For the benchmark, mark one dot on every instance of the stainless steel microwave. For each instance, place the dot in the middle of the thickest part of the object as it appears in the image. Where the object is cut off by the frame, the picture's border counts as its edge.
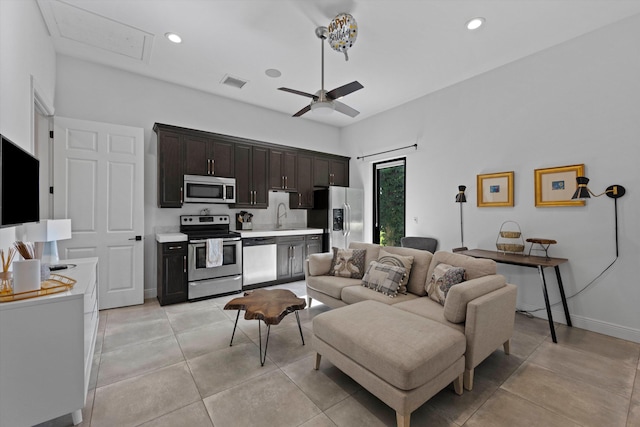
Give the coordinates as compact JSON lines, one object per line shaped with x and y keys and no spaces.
{"x":209,"y":189}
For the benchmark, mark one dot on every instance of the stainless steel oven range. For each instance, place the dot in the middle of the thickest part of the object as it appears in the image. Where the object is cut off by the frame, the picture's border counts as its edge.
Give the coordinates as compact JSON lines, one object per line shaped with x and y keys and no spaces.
{"x":224,"y":278}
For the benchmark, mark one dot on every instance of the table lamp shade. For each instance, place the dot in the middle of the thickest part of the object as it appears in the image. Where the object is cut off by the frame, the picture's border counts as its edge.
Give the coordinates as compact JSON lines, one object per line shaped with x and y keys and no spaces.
{"x":48,"y":232}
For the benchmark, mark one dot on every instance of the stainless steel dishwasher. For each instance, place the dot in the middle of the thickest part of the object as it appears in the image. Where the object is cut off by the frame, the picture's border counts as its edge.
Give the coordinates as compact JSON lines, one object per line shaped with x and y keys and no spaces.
{"x":259,"y":260}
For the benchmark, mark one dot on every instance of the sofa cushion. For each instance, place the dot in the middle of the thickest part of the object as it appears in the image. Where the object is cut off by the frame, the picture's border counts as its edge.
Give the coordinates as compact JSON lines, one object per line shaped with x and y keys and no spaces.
{"x":443,"y":278}
{"x":455,"y":306}
{"x":331,"y":285}
{"x":319,"y":264}
{"x":384,"y":278}
{"x":473,"y":267}
{"x":401,"y":348}
{"x":372,"y":249}
{"x":426,"y":307}
{"x":399,"y":261}
{"x":354,"y":294}
{"x":348,"y":263}
{"x":419,"y":268}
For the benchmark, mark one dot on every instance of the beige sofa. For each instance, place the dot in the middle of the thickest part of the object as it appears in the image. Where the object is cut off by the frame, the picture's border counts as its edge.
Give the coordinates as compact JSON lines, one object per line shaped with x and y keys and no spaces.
{"x":482,"y":307}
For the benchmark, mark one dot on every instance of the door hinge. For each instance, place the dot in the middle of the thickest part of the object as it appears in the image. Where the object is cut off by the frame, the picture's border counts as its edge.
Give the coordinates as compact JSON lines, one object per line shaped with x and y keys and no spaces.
{"x":50,"y":190}
{"x":51,"y":134}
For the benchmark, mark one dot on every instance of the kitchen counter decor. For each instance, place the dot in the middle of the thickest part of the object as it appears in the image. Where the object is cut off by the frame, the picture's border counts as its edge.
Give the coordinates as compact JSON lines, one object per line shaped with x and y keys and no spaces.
{"x":56,"y":283}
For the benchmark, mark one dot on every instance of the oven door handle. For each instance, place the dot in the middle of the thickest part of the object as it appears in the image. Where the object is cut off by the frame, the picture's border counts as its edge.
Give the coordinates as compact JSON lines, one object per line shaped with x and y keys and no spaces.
{"x":232,"y":239}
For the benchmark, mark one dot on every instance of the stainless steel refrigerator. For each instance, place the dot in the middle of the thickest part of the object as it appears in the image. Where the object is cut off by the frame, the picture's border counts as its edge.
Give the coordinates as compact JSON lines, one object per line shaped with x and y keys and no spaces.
{"x":339,"y":211}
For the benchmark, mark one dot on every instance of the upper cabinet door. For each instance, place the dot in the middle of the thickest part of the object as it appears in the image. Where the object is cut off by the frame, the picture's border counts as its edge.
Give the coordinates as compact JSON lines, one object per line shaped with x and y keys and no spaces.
{"x":283,"y":168}
{"x":204,"y":156}
{"x":196,"y":158}
{"x":320,"y":172}
{"x":221,"y":155}
{"x":170,"y":169}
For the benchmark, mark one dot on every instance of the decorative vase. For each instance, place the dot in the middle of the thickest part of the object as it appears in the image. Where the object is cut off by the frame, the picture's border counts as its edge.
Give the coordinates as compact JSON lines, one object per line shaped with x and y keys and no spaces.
{"x":5,"y":282}
{"x":26,"y":275}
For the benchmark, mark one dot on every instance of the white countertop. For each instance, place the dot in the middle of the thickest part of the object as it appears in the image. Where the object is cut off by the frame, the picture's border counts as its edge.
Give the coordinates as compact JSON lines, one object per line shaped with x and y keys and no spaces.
{"x":171,"y":237}
{"x":280,"y":232}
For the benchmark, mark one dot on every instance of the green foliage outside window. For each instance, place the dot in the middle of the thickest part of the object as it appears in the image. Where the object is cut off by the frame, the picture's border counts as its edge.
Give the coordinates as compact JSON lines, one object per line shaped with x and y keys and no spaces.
{"x":391,"y":205}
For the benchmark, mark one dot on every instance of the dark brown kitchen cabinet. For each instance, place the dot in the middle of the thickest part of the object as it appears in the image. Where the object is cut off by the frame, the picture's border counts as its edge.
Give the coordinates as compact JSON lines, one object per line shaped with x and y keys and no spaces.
{"x":290,"y":257}
{"x":283,"y":168}
{"x":170,"y":168}
{"x":206,"y":156}
{"x":252,"y":168}
{"x":172,"y":272}
{"x":329,"y":171}
{"x":303,"y":198}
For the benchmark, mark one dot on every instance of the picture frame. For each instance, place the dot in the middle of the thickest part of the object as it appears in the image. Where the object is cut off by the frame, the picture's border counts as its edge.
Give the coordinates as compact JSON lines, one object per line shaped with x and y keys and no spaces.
{"x":495,"y":189}
{"x":555,"y":186}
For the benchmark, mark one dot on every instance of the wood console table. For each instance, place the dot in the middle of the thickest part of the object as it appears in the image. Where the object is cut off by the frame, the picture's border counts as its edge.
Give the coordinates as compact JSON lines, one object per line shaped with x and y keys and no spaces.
{"x":530,"y":261}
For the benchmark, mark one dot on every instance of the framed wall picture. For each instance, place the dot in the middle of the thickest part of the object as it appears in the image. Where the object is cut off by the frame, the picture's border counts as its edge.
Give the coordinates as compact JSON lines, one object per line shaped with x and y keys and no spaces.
{"x":495,"y":189}
{"x":555,"y":186}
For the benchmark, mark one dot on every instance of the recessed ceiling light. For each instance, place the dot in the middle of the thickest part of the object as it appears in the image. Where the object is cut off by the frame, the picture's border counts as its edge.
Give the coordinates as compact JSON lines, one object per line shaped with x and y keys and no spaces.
{"x":173,"y":37}
{"x":272,"y":72}
{"x":475,"y":23}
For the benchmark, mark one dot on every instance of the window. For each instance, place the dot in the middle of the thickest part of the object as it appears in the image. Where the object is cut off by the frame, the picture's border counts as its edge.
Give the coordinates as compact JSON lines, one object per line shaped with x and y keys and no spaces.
{"x":389,"y":202}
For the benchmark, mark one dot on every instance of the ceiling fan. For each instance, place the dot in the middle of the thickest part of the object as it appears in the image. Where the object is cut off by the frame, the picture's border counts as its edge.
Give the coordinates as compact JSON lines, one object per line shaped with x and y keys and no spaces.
{"x":327,"y":101}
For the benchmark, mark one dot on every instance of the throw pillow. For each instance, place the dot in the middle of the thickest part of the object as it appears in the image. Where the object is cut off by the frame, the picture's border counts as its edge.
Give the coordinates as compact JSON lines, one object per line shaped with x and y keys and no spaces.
{"x":348,"y":263}
{"x":399,"y":261}
{"x":443,"y":278}
{"x":383,"y":278}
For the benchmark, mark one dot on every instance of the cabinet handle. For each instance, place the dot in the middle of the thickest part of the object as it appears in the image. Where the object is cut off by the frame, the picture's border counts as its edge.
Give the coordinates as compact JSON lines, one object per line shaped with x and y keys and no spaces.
{"x":330,"y":179}
{"x":286,"y":182}
{"x":181,"y":195}
{"x":175,"y":247}
{"x":213,"y":166}
{"x":299,"y":199}
{"x":184,"y":263}
{"x":282,"y":181}
{"x":208,"y":166}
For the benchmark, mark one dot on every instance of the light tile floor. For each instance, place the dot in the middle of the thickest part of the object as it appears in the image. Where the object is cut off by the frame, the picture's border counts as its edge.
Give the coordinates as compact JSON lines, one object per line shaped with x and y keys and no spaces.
{"x":172,"y":366}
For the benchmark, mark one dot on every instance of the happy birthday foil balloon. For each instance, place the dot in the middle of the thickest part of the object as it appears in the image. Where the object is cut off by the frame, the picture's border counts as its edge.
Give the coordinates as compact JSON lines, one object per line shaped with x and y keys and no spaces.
{"x":343,"y":31}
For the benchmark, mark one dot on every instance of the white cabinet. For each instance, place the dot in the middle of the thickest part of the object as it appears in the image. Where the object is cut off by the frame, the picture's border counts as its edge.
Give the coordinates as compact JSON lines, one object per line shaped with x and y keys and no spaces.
{"x":46,"y":351}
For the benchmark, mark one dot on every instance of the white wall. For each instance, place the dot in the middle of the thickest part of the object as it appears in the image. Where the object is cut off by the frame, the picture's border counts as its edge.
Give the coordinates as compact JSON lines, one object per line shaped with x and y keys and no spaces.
{"x":26,"y":56}
{"x":576,"y":103}
{"x":94,"y":92}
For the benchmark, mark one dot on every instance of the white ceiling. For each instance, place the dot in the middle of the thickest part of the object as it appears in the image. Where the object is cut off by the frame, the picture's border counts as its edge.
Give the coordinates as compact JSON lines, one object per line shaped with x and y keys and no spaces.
{"x":405,"y":49}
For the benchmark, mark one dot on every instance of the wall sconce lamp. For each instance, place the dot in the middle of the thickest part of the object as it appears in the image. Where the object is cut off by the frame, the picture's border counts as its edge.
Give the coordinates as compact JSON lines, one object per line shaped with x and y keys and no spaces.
{"x":45,"y":234}
{"x":460,"y":199}
{"x":613,"y":191}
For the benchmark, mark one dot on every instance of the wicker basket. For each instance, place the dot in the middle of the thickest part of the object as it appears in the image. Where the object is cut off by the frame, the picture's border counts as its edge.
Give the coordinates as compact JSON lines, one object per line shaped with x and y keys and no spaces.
{"x":510,"y":240}
{"x":510,"y":247}
{"x":510,"y":234}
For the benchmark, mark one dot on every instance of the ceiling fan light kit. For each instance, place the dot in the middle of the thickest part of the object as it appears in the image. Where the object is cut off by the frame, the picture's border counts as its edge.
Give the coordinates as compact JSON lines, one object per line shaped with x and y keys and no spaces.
{"x":325,"y":102}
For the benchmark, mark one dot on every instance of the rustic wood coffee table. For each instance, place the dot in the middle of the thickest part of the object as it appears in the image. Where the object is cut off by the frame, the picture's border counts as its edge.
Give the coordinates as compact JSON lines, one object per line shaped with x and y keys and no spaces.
{"x":268,"y":305}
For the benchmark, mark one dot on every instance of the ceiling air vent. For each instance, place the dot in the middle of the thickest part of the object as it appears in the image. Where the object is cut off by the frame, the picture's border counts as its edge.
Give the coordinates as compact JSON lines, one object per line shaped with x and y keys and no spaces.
{"x":233,"y":81}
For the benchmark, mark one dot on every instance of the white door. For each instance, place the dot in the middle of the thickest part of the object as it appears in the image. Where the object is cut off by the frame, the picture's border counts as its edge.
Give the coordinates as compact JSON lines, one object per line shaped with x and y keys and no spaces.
{"x":98,"y":183}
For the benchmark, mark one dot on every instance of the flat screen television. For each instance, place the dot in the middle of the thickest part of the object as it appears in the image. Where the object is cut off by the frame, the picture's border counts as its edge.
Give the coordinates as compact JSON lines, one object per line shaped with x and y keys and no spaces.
{"x":19,"y":185}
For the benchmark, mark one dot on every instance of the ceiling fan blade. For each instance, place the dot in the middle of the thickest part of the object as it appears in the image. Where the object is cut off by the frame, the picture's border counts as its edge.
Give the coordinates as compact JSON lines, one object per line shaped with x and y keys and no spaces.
{"x":344,"y":90}
{"x":297,"y":92}
{"x":345,"y":109}
{"x":301,"y":112}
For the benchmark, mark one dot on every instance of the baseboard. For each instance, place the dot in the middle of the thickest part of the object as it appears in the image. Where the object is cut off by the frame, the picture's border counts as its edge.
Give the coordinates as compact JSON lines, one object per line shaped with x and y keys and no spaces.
{"x":593,"y":325}
{"x":150,"y":293}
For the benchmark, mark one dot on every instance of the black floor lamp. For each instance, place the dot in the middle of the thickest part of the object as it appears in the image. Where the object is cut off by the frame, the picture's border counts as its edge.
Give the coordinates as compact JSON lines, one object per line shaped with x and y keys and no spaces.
{"x":460,"y":199}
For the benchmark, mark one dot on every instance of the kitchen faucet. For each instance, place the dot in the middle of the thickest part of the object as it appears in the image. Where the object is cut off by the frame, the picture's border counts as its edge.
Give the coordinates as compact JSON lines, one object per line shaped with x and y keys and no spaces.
{"x":278,"y":216}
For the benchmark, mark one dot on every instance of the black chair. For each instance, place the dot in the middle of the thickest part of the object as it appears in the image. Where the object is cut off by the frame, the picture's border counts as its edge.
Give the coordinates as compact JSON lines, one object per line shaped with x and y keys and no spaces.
{"x":425,"y":243}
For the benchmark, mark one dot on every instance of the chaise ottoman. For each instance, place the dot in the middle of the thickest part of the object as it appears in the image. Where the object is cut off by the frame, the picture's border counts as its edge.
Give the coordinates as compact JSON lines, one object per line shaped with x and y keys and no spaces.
{"x":400,"y":357}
